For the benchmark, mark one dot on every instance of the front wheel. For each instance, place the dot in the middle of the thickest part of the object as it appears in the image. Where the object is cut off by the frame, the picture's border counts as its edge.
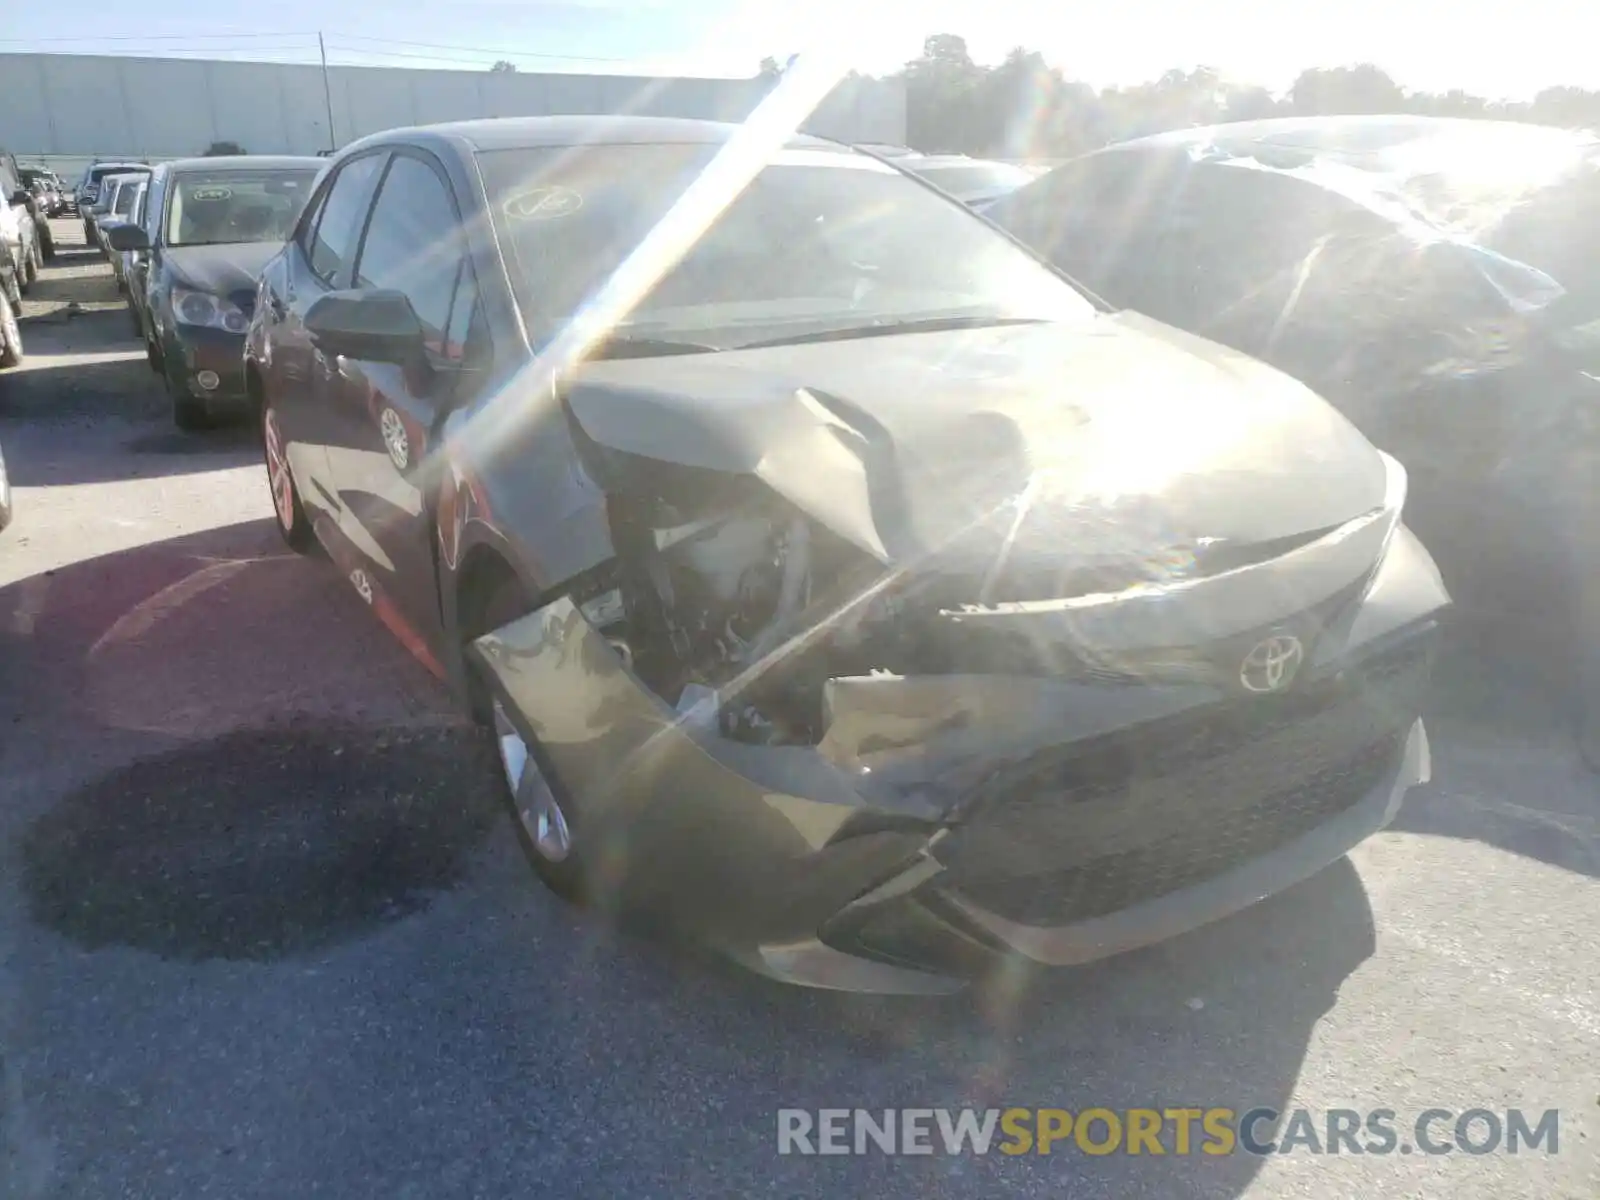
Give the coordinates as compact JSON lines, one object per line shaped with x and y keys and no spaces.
{"x":291,"y":516}
{"x":545,"y":818}
{"x":47,"y":245}
{"x":30,"y":267}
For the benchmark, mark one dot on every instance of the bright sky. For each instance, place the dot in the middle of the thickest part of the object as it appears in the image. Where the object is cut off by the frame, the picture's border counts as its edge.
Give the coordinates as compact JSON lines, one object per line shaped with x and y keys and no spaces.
{"x":1490,"y":47}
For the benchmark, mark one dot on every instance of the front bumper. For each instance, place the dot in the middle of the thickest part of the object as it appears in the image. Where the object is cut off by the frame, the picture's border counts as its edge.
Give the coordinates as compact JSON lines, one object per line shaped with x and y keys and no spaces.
{"x":190,"y":350}
{"x":947,"y":825}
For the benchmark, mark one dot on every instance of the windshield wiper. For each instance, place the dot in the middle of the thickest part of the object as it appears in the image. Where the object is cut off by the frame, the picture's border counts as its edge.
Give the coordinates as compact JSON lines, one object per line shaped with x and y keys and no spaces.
{"x":643,"y":347}
{"x":888,"y":328}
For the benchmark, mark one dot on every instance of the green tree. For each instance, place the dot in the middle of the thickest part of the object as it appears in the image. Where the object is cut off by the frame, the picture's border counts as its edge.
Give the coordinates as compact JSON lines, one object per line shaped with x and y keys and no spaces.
{"x":1336,"y":91}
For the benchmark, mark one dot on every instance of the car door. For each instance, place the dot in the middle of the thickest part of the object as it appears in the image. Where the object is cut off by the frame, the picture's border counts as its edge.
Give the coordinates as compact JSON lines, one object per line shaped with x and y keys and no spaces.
{"x":297,"y":375}
{"x":384,"y":415}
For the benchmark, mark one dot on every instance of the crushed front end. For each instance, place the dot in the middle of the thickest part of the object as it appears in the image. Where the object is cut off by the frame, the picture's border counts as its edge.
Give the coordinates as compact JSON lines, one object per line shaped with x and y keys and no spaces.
{"x":898,"y":775}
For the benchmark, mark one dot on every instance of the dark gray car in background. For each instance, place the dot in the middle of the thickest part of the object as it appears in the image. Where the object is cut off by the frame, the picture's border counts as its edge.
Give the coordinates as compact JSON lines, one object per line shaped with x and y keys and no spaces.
{"x":209,"y":224}
{"x":1437,"y":280}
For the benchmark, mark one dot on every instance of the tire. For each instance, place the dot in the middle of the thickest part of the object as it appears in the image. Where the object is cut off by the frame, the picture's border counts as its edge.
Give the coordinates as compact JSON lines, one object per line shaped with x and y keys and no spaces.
{"x":29,"y":275}
{"x":153,"y":356}
{"x":287,"y":511}
{"x":542,"y":795}
{"x":13,"y":288}
{"x":47,"y":244}
{"x":10,"y":334}
{"x":190,"y":415}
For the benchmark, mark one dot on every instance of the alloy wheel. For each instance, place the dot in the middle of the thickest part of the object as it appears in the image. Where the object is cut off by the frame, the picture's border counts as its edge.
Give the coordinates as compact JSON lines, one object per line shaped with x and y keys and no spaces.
{"x":536,"y":804}
{"x":278,"y":477}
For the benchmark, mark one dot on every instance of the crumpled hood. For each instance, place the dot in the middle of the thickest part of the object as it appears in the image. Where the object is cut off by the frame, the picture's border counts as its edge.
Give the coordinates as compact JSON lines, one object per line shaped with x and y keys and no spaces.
{"x":220,"y":270}
{"x":1123,"y":432}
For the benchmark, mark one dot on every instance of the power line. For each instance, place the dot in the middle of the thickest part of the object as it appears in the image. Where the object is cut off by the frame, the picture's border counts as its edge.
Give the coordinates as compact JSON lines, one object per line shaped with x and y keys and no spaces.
{"x":155,"y":37}
{"x":502,"y":52}
{"x":473,"y":62}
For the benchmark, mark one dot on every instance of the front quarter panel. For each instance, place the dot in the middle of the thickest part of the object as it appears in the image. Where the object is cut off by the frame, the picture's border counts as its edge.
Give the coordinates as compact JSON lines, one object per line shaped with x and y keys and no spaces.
{"x":517,"y":480}
{"x":672,"y":829}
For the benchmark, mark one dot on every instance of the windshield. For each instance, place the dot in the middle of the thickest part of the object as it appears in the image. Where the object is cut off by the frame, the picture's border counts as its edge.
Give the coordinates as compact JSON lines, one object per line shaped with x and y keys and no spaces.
{"x":212,"y":208}
{"x":820,"y":240}
{"x":968,"y":179}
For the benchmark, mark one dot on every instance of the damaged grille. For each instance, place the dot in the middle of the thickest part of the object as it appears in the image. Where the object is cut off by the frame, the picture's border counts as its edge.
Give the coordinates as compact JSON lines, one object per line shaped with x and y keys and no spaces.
{"x":1088,"y":829}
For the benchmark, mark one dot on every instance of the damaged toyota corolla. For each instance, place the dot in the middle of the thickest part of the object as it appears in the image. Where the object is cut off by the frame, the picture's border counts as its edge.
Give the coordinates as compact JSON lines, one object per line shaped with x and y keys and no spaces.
{"x":864,"y":598}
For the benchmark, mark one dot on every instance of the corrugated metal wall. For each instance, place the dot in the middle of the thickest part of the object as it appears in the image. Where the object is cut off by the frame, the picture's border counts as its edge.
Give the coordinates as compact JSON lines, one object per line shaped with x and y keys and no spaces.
{"x":86,"y":106}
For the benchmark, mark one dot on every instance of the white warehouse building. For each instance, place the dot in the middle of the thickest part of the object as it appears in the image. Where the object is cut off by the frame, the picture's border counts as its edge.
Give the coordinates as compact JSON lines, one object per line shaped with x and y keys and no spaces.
{"x":68,"y":109}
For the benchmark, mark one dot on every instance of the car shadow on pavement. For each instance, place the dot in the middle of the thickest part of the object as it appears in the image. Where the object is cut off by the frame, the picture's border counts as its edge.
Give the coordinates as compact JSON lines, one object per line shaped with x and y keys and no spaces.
{"x":560,"y":1021}
{"x":280,"y":773}
{"x":1219,"y":1018}
{"x":77,"y":421}
{"x":1507,"y":771}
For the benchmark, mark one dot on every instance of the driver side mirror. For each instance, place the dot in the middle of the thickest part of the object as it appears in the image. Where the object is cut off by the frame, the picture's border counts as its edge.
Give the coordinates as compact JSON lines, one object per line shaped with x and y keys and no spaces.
{"x":123,"y":236}
{"x":376,"y":325}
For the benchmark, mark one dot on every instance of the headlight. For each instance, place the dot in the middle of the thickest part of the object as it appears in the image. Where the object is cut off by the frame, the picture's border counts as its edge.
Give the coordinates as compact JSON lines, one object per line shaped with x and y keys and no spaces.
{"x":207,"y":311}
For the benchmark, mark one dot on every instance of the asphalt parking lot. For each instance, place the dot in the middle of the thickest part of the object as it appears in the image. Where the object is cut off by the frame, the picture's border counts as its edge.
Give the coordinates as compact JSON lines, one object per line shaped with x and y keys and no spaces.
{"x":265,"y":933}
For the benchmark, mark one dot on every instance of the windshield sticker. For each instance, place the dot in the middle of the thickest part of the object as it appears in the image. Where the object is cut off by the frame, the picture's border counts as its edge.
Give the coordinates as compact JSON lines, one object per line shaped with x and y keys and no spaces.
{"x":543,"y":204}
{"x":211,"y":193}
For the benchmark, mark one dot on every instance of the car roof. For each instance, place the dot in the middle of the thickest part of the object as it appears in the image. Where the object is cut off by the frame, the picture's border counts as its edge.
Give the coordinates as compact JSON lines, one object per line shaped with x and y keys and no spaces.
{"x":913,"y":161}
{"x":1354,"y":135}
{"x":523,"y":133}
{"x":244,"y":162}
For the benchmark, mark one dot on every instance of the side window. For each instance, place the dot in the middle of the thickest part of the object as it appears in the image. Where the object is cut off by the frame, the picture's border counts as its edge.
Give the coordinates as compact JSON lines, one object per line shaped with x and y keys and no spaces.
{"x":414,"y":244}
{"x":152,"y":208}
{"x":338,"y":225}
{"x":466,"y":339}
{"x":306,"y":227}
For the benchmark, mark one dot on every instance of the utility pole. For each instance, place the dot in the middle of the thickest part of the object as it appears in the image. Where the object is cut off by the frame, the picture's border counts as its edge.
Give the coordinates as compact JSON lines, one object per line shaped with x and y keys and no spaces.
{"x":327,"y":90}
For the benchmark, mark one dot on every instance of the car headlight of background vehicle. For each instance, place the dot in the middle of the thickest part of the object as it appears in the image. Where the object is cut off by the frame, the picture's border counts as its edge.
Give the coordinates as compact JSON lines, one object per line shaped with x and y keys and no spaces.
{"x":206,"y":311}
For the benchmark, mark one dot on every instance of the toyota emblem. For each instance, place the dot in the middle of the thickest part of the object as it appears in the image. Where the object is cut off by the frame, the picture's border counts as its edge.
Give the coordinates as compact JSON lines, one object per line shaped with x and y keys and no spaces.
{"x":1272,"y":663}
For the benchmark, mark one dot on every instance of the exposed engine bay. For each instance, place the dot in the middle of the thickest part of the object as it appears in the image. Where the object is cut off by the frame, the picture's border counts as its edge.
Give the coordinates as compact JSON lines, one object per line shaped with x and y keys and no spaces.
{"x":736,"y":610}
{"x":739,"y":615}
